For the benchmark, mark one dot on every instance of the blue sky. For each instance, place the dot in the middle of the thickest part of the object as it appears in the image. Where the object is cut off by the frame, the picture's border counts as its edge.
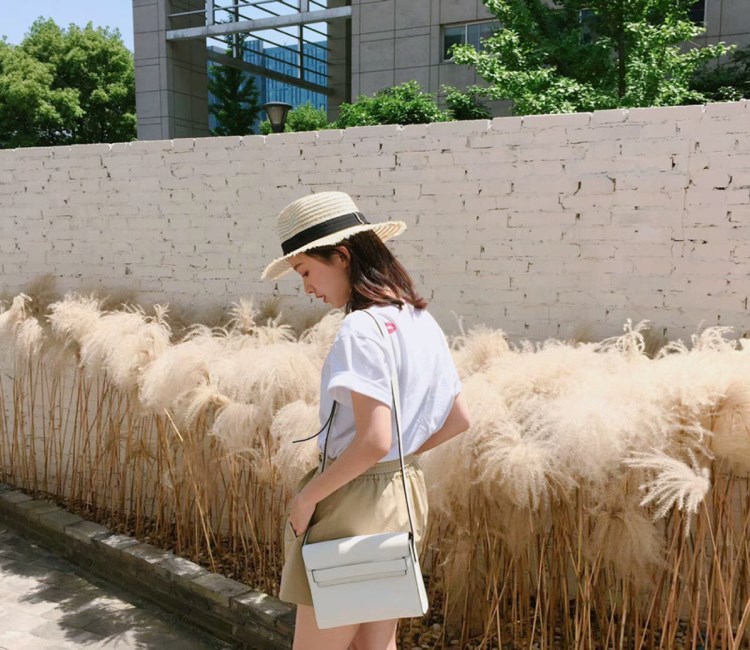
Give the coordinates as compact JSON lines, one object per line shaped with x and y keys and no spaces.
{"x":18,"y":16}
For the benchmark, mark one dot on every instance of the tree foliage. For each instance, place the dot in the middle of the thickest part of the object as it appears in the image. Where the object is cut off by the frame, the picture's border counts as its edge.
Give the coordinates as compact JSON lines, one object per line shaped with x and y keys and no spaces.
{"x":581,"y":55}
{"x":71,"y":86}
{"x":403,"y":104}
{"x":304,"y":117}
{"x":727,"y":81}
{"x":465,"y":105}
{"x":236,"y":105}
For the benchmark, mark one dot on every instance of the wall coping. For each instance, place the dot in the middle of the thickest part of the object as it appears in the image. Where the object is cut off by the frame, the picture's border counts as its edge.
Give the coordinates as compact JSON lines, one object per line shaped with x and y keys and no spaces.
{"x":602,"y":118}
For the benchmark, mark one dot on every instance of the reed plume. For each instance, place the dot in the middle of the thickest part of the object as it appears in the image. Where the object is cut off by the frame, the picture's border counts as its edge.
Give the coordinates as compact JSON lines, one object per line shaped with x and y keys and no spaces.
{"x":21,"y":335}
{"x":589,"y":505}
{"x":290,"y":460}
{"x":674,"y":484}
{"x":475,"y":350}
{"x":625,"y":537}
{"x":730,"y":427}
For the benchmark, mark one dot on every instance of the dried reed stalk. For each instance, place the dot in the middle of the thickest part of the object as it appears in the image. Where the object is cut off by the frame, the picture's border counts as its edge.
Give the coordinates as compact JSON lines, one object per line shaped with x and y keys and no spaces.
{"x":188,"y":444}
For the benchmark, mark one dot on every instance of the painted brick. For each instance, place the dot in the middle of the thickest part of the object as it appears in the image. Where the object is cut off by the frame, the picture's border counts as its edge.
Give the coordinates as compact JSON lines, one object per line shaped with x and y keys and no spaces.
{"x":612,"y":116}
{"x":475,"y":194}
{"x":567,"y":120}
{"x":661,"y":114}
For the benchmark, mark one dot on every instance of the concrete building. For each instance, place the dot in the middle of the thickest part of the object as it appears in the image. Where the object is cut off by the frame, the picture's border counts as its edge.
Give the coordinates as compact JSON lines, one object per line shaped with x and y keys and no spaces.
{"x":397,"y":40}
{"x":372,"y":44}
{"x":173,"y":42}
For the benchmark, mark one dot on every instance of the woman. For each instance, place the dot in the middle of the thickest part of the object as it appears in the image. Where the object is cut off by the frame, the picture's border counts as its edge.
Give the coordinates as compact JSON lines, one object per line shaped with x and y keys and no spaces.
{"x":342,"y":260}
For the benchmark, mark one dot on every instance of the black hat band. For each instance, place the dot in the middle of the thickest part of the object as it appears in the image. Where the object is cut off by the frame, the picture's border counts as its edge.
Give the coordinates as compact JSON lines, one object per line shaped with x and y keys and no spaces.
{"x":319,"y":230}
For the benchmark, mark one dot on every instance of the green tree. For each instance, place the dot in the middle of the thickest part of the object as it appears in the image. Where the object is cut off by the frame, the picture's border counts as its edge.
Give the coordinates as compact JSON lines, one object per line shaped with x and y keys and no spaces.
{"x":465,"y":105}
{"x":235,"y":104}
{"x":581,"y":55}
{"x":404,"y":104}
{"x":32,"y":112}
{"x":71,"y":86}
{"x":727,"y":81}
{"x":304,"y":117}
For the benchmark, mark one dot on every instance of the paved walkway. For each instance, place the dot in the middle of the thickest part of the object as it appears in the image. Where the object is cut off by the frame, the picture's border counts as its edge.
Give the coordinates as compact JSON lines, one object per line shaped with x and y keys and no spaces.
{"x":46,"y":603}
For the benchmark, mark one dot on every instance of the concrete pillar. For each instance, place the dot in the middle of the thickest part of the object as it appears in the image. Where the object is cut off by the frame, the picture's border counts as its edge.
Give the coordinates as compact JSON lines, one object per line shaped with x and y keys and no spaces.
{"x":171,"y":84}
{"x":339,"y":61}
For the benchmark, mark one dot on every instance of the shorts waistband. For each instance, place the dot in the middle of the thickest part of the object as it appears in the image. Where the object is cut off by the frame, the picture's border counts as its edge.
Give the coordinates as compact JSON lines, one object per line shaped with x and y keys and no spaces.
{"x":383,"y":467}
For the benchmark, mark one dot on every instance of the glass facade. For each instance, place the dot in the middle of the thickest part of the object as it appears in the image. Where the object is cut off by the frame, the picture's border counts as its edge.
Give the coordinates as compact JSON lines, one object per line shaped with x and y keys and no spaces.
{"x":285,"y":60}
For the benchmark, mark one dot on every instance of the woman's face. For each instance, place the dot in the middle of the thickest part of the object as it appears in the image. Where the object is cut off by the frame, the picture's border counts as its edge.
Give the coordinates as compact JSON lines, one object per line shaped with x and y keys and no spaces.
{"x":329,"y":282}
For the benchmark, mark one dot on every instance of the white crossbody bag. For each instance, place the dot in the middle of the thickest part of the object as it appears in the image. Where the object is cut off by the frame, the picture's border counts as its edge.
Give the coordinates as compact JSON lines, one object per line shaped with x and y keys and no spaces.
{"x":367,"y":577}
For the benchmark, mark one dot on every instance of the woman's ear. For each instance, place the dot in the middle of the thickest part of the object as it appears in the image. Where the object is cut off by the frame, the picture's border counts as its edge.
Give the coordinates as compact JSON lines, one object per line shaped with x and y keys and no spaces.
{"x":344,"y":255}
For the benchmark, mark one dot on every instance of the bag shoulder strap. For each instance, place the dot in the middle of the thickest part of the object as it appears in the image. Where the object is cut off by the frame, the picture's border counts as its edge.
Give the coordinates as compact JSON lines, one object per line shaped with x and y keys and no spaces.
{"x":391,"y":356}
{"x":395,"y":393}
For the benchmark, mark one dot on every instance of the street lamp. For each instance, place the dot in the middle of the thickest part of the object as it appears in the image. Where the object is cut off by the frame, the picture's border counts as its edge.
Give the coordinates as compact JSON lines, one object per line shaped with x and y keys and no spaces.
{"x":276,"y":112}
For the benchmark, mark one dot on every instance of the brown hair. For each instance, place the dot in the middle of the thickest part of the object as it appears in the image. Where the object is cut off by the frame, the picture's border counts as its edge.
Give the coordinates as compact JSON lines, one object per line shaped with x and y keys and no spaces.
{"x":373,"y":271}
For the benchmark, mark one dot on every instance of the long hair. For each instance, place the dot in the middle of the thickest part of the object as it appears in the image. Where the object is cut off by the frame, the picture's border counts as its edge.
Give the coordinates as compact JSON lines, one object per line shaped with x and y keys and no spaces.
{"x":373,"y":273}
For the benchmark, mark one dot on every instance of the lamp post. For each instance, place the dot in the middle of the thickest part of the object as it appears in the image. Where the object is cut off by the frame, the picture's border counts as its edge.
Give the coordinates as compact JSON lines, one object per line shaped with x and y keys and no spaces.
{"x":277,"y":112}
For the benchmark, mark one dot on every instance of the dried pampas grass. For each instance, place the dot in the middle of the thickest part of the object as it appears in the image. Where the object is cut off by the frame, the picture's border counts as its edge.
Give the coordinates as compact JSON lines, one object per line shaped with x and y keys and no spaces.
{"x":623,"y":536}
{"x":516,"y":453}
{"x":236,"y":426}
{"x":74,"y":317}
{"x":631,"y":344}
{"x":321,"y":335}
{"x":290,"y":460}
{"x":180,"y":368}
{"x":196,"y":402}
{"x":42,"y":292}
{"x":120,"y":344}
{"x":675,"y":484}
{"x":450,"y":468}
{"x":475,"y":351}
{"x":535,"y":519}
{"x":730,"y":427}
{"x":272,"y":375}
{"x":21,"y":335}
{"x":244,"y":322}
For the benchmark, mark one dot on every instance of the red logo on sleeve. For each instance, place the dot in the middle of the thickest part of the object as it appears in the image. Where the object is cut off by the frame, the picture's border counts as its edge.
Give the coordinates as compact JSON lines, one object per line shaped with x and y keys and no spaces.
{"x":390,"y":327}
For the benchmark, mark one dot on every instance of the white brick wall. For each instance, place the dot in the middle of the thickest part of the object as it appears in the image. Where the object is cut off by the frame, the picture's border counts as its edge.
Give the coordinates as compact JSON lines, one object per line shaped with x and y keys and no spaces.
{"x":535,"y":225}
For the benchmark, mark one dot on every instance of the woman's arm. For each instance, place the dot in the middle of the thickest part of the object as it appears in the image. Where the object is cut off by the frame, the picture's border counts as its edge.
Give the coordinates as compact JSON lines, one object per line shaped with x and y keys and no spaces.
{"x":457,"y":422}
{"x":372,"y":441}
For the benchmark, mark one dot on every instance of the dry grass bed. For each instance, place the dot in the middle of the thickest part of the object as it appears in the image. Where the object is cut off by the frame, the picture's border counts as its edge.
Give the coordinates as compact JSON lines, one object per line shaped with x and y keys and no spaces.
{"x":600,"y":499}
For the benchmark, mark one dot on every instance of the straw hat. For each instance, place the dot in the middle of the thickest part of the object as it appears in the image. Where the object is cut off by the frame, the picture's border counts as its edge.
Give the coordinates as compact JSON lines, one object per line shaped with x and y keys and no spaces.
{"x":322,"y":219}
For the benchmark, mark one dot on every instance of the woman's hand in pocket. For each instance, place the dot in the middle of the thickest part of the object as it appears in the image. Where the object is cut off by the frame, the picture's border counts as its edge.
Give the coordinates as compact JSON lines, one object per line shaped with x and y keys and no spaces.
{"x":300,"y":512}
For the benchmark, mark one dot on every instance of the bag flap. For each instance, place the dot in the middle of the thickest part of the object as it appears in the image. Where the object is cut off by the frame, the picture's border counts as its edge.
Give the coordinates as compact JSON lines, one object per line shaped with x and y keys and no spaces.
{"x":355,"y":550}
{"x":358,"y":572}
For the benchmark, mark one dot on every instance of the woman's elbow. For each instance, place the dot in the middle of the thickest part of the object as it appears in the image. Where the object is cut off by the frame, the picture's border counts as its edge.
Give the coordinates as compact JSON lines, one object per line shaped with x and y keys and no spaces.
{"x":378,"y":445}
{"x":462,"y":420}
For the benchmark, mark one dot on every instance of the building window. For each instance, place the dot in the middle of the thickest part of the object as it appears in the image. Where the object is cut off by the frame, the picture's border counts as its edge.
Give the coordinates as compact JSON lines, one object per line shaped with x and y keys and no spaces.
{"x":470,"y":33}
{"x":698,"y":12}
{"x":587,"y":18}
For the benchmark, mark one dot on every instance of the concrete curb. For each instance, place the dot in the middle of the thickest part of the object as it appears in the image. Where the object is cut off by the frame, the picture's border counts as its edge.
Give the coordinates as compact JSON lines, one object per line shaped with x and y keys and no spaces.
{"x":227,"y":609}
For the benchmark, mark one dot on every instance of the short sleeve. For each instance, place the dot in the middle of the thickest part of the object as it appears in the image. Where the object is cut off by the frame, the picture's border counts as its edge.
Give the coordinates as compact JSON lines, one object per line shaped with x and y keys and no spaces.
{"x":456,"y":379}
{"x":358,"y":363}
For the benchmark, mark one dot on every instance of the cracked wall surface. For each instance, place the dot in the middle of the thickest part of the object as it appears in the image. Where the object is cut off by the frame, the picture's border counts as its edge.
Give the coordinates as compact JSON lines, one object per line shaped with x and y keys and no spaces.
{"x":540,"y":225}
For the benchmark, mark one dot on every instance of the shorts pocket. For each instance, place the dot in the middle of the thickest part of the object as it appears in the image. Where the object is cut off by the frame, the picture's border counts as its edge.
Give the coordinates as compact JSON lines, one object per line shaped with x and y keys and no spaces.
{"x":289,"y":531}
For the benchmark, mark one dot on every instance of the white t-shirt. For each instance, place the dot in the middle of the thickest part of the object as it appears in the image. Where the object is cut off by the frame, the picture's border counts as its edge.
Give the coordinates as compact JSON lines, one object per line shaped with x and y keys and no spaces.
{"x":359,"y":361}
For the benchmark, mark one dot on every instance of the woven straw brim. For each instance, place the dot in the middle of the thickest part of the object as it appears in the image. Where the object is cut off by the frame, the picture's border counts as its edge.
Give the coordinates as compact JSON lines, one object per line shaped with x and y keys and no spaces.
{"x":384,"y":230}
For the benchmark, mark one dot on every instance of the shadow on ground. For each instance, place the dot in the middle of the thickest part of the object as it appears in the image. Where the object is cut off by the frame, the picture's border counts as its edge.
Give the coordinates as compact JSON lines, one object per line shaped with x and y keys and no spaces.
{"x":46,"y":603}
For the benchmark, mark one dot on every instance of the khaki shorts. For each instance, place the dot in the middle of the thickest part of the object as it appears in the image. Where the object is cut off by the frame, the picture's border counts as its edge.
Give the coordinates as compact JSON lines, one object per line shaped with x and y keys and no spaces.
{"x":373,"y":502}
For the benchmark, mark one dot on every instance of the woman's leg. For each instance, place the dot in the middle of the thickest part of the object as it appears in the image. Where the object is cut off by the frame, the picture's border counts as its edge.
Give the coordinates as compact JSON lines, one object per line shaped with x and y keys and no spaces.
{"x":307,"y":635}
{"x":378,"y":635}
